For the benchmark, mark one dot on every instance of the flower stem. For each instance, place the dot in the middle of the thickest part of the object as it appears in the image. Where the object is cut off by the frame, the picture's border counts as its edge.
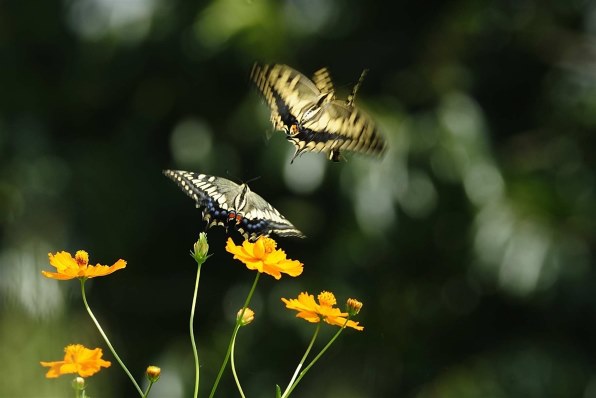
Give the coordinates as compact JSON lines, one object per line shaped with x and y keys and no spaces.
{"x":312,"y":342}
{"x":105,"y":337}
{"x":317,"y":358}
{"x":238,"y":322}
{"x":192,"y":334}
{"x":148,"y":389}
{"x":234,"y":365}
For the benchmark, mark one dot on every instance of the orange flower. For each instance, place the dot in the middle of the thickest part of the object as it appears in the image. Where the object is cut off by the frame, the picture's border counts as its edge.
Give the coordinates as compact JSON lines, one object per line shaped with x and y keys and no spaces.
{"x":78,"y":267}
{"x":264,"y":257}
{"x":324,"y":310}
{"x":77,"y":359}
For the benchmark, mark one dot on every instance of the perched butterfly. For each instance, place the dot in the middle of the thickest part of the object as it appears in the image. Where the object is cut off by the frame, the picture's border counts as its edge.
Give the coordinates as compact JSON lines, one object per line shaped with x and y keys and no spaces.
{"x":310,"y":115}
{"x":228,"y":204}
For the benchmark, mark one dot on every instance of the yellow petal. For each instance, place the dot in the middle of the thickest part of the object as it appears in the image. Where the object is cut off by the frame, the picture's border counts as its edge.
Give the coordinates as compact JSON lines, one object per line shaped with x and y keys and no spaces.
{"x":62,"y":261}
{"x":58,"y":276}
{"x":103,"y":270}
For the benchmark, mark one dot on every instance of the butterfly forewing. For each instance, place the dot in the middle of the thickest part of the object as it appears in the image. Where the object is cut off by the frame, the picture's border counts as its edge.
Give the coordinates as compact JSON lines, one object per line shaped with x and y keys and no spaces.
{"x":228,"y":204}
{"x":311,"y":117}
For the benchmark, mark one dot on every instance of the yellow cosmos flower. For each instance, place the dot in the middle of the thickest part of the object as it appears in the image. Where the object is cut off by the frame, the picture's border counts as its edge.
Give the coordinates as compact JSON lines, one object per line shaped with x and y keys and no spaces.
{"x":263,"y":256}
{"x":78,"y":267}
{"x":324,"y":310}
{"x":77,"y":359}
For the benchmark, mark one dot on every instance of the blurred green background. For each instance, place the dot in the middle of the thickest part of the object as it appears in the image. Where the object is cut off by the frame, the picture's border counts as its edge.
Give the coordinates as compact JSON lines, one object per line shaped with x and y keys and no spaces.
{"x":471,"y":242}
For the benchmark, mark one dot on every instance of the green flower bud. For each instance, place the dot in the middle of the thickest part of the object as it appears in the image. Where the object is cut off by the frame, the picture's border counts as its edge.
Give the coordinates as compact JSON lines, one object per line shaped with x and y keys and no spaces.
{"x":200,"y":249}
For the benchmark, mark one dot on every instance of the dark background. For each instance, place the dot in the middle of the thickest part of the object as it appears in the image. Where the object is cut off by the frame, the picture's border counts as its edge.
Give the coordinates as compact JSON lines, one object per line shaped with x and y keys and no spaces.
{"x":470,"y":243}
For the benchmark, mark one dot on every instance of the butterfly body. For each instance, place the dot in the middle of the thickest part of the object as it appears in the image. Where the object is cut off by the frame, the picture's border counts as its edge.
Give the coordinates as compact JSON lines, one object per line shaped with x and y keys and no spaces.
{"x":311,"y":116}
{"x":232,"y":206}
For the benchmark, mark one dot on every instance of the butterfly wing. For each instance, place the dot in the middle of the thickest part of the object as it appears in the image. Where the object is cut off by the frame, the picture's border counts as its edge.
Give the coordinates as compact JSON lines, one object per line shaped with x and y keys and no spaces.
{"x":322,"y":80}
{"x":230,"y":205}
{"x":311,"y":116}
{"x":260,"y":218}
{"x":287,"y":92}
{"x":212,"y":194}
{"x":356,"y":132}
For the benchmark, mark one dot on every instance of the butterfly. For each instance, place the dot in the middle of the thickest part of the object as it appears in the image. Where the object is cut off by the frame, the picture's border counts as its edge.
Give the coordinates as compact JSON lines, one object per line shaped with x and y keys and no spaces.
{"x":225,"y":203}
{"x":310,"y":115}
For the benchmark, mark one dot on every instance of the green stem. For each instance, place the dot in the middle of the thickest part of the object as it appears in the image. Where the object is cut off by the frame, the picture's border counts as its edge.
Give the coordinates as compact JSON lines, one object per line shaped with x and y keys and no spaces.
{"x":317,"y":357}
{"x":148,"y":389}
{"x":312,"y":342}
{"x":192,"y":334}
{"x":107,"y":340}
{"x":234,"y":365}
{"x":238,"y":321}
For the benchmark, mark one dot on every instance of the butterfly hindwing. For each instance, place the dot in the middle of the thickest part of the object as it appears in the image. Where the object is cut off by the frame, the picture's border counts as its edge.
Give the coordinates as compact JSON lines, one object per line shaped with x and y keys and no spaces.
{"x":311,"y":117}
{"x":230,"y":205}
{"x":322,"y":80}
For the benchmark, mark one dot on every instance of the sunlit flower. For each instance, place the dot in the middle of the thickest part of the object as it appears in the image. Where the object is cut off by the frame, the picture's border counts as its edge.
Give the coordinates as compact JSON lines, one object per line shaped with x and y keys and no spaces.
{"x":77,"y":359}
{"x":263,"y":256}
{"x":324,"y":310}
{"x":78,"y":267}
{"x":153,"y":373}
{"x":247,"y":317}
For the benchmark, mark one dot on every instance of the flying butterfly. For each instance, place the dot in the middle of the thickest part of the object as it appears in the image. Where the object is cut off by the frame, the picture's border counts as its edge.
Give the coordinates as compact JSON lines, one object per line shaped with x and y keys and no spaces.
{"x":230,"y":205}
{"x":310,"y":115}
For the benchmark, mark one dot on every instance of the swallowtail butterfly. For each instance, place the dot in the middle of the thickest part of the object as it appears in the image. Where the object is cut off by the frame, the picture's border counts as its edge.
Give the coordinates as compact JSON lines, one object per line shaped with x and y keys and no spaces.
{"x":310,"y":115}
{"x":230,"y":205}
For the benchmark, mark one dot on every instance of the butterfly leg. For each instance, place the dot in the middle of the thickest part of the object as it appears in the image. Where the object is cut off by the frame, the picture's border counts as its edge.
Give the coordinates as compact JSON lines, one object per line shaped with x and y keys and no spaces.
{"x":296,"y":154}
{"x":352,"y":96}
{"x":335,"y":156}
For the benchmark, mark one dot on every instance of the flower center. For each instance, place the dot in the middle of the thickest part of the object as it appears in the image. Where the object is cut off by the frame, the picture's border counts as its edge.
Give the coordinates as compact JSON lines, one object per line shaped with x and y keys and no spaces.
{"x":326,"y":299}
{"x":269,"y":245}
{"x":82,"y":258}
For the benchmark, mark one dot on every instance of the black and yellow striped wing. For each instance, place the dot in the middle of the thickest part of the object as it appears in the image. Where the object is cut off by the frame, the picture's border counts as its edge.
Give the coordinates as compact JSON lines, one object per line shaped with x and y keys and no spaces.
{"x":310,"y":115}
{"x":322,"y":81}
{"x":233,"y":206}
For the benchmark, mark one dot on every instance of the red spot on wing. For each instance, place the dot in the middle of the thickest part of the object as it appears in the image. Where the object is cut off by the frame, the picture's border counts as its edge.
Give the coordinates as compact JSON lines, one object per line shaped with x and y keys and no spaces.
{"x":235,"y":216}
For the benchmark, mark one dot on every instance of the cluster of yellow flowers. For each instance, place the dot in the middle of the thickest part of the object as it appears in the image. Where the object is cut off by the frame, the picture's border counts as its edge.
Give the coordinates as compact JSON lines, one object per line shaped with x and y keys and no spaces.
{"x":262,"y":256}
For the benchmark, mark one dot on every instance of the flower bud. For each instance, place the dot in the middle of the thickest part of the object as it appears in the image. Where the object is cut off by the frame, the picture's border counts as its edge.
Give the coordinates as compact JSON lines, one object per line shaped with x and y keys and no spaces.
{"x":353,"y":306}
{"x":200,"y":249}
{"x":153,"y":373}
{"x":78,"y":383}
{"x":247,"y":317}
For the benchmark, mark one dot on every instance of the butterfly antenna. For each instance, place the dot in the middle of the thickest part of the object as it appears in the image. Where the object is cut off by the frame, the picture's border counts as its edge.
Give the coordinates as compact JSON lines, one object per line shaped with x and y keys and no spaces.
{"x":352,"y":96}
{"x":252,"y":179}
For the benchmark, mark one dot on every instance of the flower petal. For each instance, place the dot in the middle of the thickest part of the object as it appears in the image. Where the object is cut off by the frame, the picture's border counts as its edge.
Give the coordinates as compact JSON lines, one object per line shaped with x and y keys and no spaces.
{"x":54,"y":370}
{"x":103,"y":270}
{"x":339,"y":321}
{"x":62,"y":261}
{"x":58,"y":276}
